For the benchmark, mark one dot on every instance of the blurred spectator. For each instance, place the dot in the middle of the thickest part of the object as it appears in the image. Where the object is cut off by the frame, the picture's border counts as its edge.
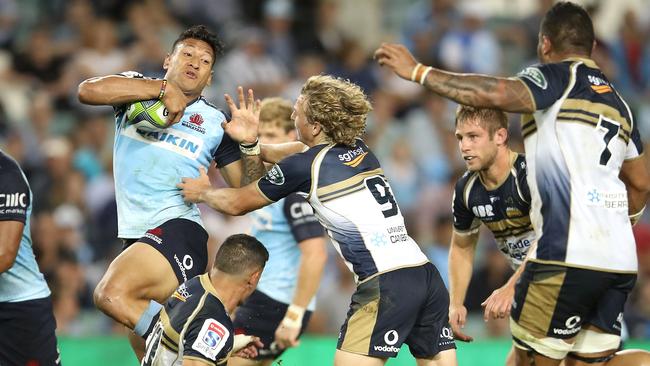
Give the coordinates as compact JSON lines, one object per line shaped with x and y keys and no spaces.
{"x":438,"y":249}
{"x":470,"y":47}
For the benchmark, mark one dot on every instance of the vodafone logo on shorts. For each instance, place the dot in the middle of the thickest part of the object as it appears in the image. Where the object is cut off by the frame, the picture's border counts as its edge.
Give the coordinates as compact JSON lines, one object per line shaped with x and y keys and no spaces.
{"x":185,"y":265}
{"x":390,"y":338}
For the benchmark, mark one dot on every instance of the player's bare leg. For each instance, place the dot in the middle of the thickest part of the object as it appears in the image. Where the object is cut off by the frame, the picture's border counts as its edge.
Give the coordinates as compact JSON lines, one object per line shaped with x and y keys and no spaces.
{"x":444,"y":358}
{"x":510,"y":358}
{"x":238,"y":361}
{"x":342,"y":358}
{"x":525,"y":358}
{"x":134,"y":278}
{"x":632,"y":357}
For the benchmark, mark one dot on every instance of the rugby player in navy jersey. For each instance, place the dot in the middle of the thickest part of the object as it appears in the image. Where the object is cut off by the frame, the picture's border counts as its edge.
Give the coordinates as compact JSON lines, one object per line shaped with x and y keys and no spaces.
{"x":400,"y":296}
{"x":27,"y":321}
{"x":588,"y":183}
{"x":194,"y":327}
{"x":165,"y":243}
{"x":279,"y":310}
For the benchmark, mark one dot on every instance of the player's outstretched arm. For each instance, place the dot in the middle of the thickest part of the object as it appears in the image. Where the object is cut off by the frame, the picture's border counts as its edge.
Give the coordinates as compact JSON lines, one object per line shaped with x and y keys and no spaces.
{"x":634,"y":173}
{"x":231,"y":201}
{"x":507,"y":94}
{"x":312,"y":262}
{"x":461,"y":259}
{"x":273,"y":153}
{"x":244,"y":129}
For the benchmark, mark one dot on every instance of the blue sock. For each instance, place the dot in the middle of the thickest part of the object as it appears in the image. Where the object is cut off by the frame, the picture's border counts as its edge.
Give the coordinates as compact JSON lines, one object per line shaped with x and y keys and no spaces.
{"x":147,"y":318}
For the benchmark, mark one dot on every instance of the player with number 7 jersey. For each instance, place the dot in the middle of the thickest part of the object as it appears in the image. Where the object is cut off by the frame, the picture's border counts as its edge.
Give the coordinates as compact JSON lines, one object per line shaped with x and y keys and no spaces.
{"x":400,"y":296}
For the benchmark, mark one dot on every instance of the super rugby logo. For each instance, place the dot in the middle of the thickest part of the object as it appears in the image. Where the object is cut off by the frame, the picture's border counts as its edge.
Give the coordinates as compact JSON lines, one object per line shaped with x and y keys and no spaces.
{"x":354,"y":157}
{"x":211,"y":339}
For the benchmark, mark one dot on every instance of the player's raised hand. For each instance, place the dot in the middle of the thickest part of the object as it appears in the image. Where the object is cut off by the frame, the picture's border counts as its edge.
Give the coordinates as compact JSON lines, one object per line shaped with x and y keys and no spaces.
{"x":245,"y":122}
{"x":175,"y":102}
{"x":457,"y":318}
{"x":499,"y":303}
{"x":246,"y":346}
{"x":397,"y":58}
{"x":192,"y":189}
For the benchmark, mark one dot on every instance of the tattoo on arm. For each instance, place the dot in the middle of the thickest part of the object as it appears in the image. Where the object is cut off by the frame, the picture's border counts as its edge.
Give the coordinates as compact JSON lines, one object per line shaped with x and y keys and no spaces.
{"x":253,"y":168}
{"x":510,"y":95}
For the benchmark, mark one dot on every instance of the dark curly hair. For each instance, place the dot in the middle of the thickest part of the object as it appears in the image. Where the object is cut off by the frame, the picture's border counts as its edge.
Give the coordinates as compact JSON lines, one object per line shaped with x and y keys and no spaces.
{"x":202,"y":33}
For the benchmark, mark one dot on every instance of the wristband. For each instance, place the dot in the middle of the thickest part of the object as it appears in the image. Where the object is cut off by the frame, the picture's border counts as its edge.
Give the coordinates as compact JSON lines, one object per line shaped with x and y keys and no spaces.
{"x":424,"y":74}
{"x":293,"y":317}
{"x":634,"y":218}
{"x":414,"y":73}
{"x":163,"y":86}
{"x":251,"y":149}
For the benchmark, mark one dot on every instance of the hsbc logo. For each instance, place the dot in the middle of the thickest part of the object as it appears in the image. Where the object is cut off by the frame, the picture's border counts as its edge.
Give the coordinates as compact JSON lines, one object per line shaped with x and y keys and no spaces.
{"x":483,"y":211}
{"x":13,"y":199}
{"x":300,"y":209}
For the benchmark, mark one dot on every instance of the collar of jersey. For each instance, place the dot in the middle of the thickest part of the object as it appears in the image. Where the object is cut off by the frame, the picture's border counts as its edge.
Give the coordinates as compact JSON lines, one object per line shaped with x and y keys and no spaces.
{"x":587,"y":61}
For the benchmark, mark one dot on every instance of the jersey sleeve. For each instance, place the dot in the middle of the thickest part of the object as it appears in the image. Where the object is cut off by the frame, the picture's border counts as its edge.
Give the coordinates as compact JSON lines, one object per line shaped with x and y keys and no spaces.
{"x":14,"y":195}
{"x":635,"y":145}
{"x":302,"y":221}
{"x":227,"y":152}
{"x":464,"y":220}
{"x":290,"y":175}
{"x":207,"y":339}
{"x":522,"y":179}
{"x":546,"y":83}
{"x":119,"y":110}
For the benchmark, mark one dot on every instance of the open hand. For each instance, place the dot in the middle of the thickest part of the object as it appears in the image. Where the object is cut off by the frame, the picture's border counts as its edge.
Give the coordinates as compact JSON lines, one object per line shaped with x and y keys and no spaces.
{"x":397,"y":58}
{"x":245,"y":122}
{"x":192,"y":189}
{"x":457,"y":318}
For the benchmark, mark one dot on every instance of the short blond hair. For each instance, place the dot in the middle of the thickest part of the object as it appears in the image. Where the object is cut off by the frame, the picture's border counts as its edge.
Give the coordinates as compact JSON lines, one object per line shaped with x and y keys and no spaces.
{"x":491,"y":120}
{"x":338,"y":105}
{"x":277,"y":111}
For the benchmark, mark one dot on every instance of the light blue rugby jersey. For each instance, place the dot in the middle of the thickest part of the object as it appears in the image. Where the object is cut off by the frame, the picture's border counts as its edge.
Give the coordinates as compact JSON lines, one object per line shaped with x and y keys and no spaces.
{"x":23,"y":281}
{"x":148,"y":165}
{"x":280,"y":227}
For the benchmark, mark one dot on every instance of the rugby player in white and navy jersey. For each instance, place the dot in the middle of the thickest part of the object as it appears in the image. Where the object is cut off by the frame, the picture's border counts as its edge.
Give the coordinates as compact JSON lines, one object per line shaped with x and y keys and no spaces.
{"x":165,"y":243}
{"x":400,"y":296}
{"x":27,"y":321}
{"x":588,"y":183}
{"x":494,"y":192}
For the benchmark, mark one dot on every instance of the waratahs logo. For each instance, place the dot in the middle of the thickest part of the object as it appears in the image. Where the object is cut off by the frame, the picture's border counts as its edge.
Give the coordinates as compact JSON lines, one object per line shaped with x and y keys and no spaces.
{"x":195,"y":122}
{"x":196,"y":119}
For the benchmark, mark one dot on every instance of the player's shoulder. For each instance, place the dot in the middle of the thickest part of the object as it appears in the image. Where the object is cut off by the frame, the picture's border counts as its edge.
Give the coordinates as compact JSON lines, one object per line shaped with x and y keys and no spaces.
{"x":543,"y":74}
{"x":9,"y":166}
{"x":465,"y":180}
{"x":209,"y":108}
{"x":520,"y":164}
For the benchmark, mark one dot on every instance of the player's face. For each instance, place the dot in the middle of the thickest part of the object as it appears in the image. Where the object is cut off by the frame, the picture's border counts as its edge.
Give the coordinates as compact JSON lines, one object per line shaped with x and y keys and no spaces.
{"x":476,"y":147}
{"x":190,"y":66}
{"x":271,"y":133}
{"x":303,"y":127}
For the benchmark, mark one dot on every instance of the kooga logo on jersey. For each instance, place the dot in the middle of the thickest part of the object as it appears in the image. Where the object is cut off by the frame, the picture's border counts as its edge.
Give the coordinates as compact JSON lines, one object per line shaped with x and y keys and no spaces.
{"x":170,"y":139}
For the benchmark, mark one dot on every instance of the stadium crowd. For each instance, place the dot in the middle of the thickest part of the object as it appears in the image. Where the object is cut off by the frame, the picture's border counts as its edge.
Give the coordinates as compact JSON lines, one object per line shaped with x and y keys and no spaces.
{"x":273,"y":46}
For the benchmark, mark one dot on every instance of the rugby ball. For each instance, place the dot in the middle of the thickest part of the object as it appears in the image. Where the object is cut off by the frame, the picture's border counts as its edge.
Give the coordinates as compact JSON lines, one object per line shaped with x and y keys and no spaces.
{"x":147,"y":115}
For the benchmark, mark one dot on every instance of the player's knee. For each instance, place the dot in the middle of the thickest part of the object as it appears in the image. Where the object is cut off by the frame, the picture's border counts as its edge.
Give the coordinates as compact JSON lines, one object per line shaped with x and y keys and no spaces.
{"x":107,"y":297}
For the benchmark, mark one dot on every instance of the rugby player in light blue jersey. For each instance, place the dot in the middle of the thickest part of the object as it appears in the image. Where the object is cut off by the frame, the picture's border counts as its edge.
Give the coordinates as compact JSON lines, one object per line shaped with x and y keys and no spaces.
{"x":26,"y":319}
{"x":279,"y":310}
{"x":165,"y":243}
